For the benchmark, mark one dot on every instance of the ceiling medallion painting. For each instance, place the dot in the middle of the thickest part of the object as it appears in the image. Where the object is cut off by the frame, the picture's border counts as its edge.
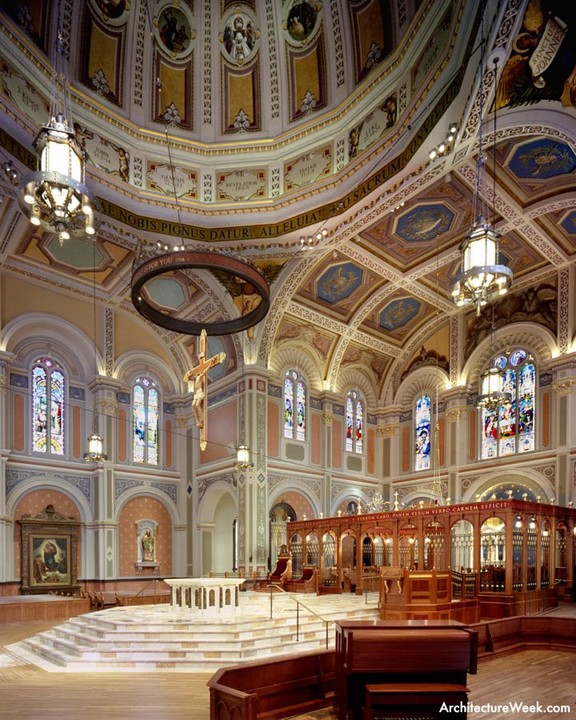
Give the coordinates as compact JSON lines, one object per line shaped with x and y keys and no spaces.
{"x":542,"y":159}
{"x":569,"y":222}
{"x":240,"y":36}
{"x":424,"y":223}
{"x":112,"y":12}
{"x":339,"y":282}
{"x":173,"y":31}
{"x":398,"y":313}
{"x":302,"y":20}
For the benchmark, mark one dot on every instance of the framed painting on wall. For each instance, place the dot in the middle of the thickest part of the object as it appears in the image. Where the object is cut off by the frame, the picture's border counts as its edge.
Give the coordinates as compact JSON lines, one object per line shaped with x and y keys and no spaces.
{"x":49,"y":553}
{"x":49,"y":556}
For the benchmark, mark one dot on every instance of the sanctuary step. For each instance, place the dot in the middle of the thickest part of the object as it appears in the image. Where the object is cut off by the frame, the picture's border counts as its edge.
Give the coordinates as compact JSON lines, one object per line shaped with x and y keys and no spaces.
{"x":159,"y":638}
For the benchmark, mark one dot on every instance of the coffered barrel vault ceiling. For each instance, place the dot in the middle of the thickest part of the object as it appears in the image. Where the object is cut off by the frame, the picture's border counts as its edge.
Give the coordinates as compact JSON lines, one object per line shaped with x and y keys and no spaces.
{"x":246,"y":126}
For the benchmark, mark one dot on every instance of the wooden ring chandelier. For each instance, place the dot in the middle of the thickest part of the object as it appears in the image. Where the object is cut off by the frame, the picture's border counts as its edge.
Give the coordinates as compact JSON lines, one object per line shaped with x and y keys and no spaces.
{"x":191,"y":259}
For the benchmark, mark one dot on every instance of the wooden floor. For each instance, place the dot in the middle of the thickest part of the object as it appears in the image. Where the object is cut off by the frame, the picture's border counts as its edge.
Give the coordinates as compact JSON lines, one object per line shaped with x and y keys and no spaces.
{"x":29,"y":693}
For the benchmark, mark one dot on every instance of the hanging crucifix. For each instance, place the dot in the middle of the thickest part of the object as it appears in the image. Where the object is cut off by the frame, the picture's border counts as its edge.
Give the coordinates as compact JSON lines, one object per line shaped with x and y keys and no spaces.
{"x":197,"y":383}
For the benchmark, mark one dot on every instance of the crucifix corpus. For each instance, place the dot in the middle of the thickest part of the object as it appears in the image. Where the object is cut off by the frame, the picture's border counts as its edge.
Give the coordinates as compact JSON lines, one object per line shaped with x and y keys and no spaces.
{"x":197,"y":383}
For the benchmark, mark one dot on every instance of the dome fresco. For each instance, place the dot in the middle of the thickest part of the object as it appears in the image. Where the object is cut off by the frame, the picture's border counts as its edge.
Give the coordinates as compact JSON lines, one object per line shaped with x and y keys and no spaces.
{"x":297,"y":136}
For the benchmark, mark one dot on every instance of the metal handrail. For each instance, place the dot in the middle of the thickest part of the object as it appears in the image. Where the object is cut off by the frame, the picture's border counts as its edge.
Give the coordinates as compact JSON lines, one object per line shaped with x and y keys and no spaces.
{"x":298,"y":603}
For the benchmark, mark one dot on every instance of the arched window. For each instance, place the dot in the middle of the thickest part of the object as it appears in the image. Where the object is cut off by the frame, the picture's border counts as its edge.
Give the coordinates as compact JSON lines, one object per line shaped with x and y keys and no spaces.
{"x":146,"y":419}
{"x":354,"y":422}
{"x":422,"y":429}
{"x":508,"y":425}
{"x":48,"y":407}
{"x":294,"y":406}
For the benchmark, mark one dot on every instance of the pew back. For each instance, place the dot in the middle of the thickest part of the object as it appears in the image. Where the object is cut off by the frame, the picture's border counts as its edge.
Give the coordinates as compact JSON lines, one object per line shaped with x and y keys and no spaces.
{"x":411,"y":652}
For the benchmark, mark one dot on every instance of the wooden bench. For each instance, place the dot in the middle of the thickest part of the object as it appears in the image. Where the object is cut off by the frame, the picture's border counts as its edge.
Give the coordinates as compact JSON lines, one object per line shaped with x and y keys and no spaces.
{"x":273,"y":689}
{"x":390,"y":699}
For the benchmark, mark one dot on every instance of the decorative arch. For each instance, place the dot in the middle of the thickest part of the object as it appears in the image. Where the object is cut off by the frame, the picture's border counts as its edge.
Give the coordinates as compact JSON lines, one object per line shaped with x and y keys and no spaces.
{"x":298,"y":358}
{"x":295,"y":486}
{"x":423,"y":380}
{"x":34,"y":484}
{"x":35,"y":333}
{"x":356,"y":378}
{"x":539,"y":341}
{"x":533,"y":482}
{"x":349,"y":495}
{"x":209,"y":503}
{"x":132,"y":364}
{"x":147,"y":491}
{"x":418,"y":494}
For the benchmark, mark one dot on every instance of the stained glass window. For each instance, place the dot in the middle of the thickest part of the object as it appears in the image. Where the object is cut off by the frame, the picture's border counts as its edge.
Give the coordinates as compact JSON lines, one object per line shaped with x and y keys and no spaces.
{"x":508,"y":428}
{"x":422,"y":430}
{"x":48,"y":407}
{"x":354,"y":422}
{"x":294,"y":406}
{"x":146,"y":420}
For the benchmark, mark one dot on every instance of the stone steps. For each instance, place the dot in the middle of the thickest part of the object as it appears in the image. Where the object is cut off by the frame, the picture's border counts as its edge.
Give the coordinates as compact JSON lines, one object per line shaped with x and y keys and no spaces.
{"x":158,"y":638}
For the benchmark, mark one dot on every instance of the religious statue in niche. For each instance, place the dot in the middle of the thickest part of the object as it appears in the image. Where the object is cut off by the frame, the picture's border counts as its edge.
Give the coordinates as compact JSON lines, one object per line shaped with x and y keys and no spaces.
{"x":146,"y":531}
{"x":148,"y":546}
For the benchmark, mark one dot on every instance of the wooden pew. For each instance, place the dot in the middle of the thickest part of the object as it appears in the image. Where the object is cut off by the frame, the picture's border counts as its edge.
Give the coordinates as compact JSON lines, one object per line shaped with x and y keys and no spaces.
{"x":273,"y":689}
{"x":417,"y":654}
{"x":514,"y":634}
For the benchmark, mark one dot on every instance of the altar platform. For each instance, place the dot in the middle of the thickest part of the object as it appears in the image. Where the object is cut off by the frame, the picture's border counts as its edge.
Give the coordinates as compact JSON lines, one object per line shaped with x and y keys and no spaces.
{"x":161,"y":638}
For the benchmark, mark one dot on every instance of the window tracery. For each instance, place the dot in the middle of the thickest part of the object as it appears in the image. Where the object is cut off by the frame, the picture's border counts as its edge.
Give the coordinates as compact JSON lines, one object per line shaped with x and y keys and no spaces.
{"x":48,"y":407}
{"x":422,"y":429}
{"x":294,"y":406}
{"x":146,"y":421}
{"x":508,"y":427}
{"x":354,"y":441}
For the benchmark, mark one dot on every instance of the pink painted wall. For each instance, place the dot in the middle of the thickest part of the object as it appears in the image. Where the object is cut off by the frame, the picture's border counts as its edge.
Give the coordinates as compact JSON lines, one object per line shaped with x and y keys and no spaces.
{"x":300,"y":504}
{"x":144,"y":508}
{"x":221,"y":435}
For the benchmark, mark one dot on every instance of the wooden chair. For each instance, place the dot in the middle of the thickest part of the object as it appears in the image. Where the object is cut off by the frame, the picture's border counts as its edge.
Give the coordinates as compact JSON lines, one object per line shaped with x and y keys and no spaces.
{"x":282,"y":573}
{"x":305,"y":584}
